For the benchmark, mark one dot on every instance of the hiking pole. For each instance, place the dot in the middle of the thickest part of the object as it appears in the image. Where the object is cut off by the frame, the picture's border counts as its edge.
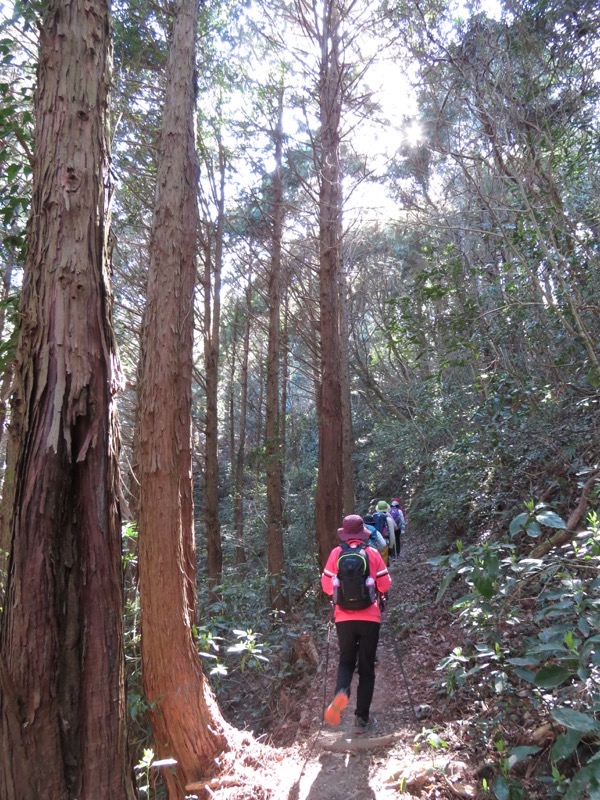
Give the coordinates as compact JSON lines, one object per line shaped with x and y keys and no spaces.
{"x":317,"y":734}
{"x":329,"y":626}
{"x":406,"y":684}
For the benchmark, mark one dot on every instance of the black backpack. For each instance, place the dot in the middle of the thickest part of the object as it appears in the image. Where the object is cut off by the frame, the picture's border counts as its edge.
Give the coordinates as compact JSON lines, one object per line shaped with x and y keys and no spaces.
{"x":354,"y":592}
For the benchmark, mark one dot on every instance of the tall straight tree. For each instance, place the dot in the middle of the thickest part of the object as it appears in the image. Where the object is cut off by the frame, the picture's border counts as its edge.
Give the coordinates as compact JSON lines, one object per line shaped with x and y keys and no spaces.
{"x":62,"y":704}
{"x":213,"y":260}
{"x":239,"y":452}
{"x":186,"y":720}
{"x":273,"y":445}
{"x":347,"y":438}
{"x":329,"y":491}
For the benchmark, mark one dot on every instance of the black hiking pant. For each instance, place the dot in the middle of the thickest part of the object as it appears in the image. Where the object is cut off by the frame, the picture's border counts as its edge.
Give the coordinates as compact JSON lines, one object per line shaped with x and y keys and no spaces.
{"x":358,"y":645}
{"x":398,"y":542}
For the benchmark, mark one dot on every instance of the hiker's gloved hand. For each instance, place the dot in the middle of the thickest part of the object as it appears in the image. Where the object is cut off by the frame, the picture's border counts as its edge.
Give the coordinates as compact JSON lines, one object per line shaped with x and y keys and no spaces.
{"x":383,"y":601}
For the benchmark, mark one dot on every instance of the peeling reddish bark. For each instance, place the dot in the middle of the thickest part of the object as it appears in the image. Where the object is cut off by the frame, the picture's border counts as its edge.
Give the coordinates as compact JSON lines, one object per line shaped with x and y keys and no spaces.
{"x":62,"y":705}
{"x":186,"y":720}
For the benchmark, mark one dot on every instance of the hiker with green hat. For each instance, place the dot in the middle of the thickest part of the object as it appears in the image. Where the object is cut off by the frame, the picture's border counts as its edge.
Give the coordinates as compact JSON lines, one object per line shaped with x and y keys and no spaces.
{"x":384,"y":523}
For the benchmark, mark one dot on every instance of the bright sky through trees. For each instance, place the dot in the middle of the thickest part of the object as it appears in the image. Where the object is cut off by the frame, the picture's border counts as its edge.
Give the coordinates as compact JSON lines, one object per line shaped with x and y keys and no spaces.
{"x":374,"y":137}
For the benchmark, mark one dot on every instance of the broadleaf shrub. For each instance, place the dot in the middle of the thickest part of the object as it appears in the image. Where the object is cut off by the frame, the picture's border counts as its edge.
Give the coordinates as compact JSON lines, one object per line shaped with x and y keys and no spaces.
{"x":535,"y":623}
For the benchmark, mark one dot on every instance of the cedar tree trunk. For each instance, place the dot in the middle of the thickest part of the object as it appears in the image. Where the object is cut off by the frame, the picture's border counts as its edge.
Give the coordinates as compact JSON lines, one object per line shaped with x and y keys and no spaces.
{"x":212,"y":322}
{"x":328,"y":500}
{"x":347,"y":438}
{"x":186,"y":720}
{"x":62,"y":705}
{"x":274,"y":475}
{"x":240,"y":455}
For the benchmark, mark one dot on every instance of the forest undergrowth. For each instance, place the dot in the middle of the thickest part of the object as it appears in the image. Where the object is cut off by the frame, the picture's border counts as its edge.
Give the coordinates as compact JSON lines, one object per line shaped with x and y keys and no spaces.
{"x":302,"y":758}
{"x":487,"y":683}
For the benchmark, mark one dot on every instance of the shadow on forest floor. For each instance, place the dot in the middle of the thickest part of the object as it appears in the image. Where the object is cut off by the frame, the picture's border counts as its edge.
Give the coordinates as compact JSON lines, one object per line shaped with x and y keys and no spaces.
{"x":327,"y":763}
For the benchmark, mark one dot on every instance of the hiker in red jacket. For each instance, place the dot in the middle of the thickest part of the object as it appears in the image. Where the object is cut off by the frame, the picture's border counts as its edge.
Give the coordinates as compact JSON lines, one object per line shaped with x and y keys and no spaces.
{"x":357,"y":616}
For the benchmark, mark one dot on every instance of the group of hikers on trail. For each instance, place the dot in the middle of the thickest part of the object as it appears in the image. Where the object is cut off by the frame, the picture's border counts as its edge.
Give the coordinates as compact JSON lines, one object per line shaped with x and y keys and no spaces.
{"x":356,"y":578}
{"x":390,"y":523}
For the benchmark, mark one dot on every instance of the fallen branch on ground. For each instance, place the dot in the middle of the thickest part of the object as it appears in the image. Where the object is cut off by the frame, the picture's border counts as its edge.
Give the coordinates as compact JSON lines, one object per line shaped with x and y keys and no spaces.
{"x":352,"y":745}
{"x":214,"y":783}
{"x":568,"y":533}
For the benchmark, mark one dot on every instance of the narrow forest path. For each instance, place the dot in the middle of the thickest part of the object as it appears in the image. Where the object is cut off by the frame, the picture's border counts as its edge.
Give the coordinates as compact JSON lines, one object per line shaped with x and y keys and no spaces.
{"x":415,"y":635}
{"x":308,"y":760}
{"x":327,"y":763}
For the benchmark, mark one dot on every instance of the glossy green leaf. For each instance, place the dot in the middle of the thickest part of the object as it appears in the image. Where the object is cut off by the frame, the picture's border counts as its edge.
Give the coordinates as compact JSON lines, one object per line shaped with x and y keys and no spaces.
{"x":447,"y":580}
{"x":550,"y":676}
{"x":501,"y":788}
{"x":576,"y":720}
{"x":533,"y":529}
{"x":550,"y":519}
{"x":525,"y":674}
{"x":518,"y":523}
{"x":517,"y":754}
{"x":565,"y":744}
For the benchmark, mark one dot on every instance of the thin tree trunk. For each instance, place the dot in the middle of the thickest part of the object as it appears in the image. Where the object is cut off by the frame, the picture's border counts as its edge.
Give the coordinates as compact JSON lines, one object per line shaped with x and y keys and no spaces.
{"x":240,"y":556}
{"x":8,"y":370}
{"x":240,"y":457}
{"x":260,"y":401}
{"x":231,"y":389}
{"x":212,"y":289}
{"x":284,"y":391}
{"x":186,"y":721}
{"x":347,"y":439}
{"x":62,"y":704}
{"x":10,"y":447}
{"x":274,"y":477}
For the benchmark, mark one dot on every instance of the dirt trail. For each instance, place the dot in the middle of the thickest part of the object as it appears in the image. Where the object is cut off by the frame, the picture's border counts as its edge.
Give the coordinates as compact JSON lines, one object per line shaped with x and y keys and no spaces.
{"x":327,"y":763}
{"x":415,"y":636}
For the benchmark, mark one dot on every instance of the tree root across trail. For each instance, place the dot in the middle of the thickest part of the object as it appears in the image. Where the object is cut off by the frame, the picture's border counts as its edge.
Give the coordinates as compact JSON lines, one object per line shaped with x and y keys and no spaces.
{"x":326,"y":763}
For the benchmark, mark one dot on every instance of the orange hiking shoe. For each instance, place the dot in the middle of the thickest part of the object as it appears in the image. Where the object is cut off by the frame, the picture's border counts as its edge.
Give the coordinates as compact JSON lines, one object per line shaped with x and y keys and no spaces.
{"x":333,"y":712}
